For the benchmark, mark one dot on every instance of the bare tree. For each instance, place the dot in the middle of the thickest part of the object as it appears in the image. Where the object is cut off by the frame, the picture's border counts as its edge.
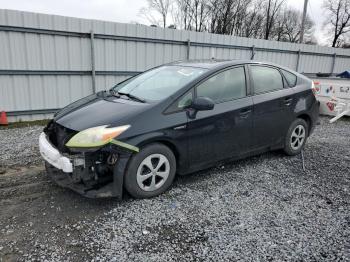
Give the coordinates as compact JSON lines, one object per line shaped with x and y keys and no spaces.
{"x":339,"y":19}
{"x":161,"y":7}
{"x":272,"y":9}
{"x":228,"y":16}
{"x":252,"y":21}
{"x":347,"y":44}
{"x":266,"y":19}
{"x":287,"y":27}
{"x":192,"y":14}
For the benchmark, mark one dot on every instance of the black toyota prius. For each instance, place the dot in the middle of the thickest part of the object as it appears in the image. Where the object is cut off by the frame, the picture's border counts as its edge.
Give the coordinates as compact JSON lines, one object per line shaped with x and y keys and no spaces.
{"x":173,"y":120}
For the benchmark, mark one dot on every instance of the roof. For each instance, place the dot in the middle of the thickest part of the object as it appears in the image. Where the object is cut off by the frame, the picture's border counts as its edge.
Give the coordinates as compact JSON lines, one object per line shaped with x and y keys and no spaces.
{"x":213,"y":64}
{"x":210,"y":63}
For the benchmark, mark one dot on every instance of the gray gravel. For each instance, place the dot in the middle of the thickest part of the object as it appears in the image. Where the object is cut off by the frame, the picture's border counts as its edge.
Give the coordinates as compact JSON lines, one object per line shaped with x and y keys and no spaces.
{"x":263,"y":208}
{"x":19,"y":146}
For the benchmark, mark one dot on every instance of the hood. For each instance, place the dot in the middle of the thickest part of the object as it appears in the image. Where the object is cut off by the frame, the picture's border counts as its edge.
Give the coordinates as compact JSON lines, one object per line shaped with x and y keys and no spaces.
{"x":99,"y":109}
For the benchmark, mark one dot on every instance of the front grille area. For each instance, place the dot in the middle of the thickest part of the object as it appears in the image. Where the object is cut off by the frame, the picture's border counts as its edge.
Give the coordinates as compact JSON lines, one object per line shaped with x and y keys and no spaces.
{"x":59,"y":136}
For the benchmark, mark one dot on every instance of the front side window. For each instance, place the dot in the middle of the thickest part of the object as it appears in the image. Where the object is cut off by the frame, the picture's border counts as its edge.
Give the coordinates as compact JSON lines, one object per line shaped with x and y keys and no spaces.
{"x":266,"y":79}
{"x":224,"y":86}
{"x":181,"y":103}
{"x":160,"y":82}
{"x":185,"y":100}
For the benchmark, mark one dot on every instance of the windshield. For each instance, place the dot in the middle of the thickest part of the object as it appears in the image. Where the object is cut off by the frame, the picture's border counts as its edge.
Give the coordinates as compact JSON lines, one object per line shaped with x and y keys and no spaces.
{"x":159,"y":83}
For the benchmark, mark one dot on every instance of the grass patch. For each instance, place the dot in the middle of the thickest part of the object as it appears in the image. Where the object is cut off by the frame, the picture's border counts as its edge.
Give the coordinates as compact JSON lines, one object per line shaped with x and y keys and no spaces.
{"x":25,"y":124}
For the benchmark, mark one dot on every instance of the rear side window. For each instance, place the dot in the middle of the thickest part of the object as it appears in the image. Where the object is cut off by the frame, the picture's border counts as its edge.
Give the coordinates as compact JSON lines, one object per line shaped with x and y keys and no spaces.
{"x":266,"y":79}
{"x":227,"y":85}
{"x":290,"y":77}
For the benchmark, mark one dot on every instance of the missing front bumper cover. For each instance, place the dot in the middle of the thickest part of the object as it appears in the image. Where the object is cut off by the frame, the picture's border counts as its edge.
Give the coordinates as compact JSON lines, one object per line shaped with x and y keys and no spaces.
{"x":112,"y":187}
{"x":89,"y":174}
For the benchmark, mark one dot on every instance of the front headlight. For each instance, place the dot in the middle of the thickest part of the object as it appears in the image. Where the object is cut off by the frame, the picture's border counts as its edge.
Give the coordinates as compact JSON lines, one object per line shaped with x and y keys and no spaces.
{"x":96,"y":136}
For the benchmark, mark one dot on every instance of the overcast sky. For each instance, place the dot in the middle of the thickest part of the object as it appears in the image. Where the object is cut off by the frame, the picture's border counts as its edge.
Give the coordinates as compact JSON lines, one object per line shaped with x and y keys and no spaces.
{"x":126,"y":11}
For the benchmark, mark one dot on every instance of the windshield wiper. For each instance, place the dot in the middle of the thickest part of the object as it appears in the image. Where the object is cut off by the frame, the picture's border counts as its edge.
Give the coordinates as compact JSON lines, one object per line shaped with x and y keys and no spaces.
{"x":114,"y":93}
{"x":133,"y":97}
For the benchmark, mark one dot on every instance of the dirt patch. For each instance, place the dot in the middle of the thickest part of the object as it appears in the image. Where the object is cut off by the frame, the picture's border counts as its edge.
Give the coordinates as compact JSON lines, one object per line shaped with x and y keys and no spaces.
{"x":37,"y":214}
{"x":23,"y":124}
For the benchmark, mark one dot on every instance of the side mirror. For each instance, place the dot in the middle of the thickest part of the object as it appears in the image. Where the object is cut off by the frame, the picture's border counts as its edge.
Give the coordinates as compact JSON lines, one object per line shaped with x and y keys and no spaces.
{"x":202,"y":104}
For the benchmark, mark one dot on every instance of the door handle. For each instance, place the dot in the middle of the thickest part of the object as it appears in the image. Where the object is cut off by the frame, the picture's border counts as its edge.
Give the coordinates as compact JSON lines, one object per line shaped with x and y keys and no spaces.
{"x":244,"y":113}
{"x":180,"y":127}
{"x":288,"y":101}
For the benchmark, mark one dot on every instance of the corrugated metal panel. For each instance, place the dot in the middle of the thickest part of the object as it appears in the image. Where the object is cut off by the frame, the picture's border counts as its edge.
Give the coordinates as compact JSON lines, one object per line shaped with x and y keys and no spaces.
{"x":107,"y":82}
{"x":341,"y":64}
{"x":40,"y":92}
{"x":70,"y":50}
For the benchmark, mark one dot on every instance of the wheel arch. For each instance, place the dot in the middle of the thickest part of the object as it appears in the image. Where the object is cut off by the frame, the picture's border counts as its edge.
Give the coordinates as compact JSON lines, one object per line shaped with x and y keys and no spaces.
{"x":165,"y":141}
{"x":307,"y":119}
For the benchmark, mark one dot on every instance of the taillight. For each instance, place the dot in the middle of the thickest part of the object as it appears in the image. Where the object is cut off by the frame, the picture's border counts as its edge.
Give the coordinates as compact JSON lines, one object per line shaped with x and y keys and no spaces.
{"x":315,"y":87}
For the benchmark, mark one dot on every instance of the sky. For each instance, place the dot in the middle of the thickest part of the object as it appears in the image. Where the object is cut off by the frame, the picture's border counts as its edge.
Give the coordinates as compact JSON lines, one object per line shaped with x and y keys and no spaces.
{"x":127,"y":11}
{"x":315,"y":11}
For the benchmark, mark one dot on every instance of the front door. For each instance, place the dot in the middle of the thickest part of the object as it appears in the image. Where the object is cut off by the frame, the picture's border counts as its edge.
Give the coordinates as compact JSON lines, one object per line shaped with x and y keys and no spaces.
{"x":225,"y":131}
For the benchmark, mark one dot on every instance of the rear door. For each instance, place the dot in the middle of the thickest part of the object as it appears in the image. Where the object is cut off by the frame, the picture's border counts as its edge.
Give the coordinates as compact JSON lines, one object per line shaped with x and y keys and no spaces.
{"x":273,"y":102}
{"x":226,"y":130}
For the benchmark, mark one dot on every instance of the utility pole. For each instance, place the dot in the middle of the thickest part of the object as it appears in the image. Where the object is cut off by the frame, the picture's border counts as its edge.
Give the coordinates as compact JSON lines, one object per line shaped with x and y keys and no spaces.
{"x":268,"y":21}
{"x":303,"y":22}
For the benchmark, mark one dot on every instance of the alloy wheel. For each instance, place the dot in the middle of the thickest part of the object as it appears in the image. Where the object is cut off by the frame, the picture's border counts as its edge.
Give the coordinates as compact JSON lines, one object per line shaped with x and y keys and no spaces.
{"x":298,"y":137}
{"x":153,"y":172}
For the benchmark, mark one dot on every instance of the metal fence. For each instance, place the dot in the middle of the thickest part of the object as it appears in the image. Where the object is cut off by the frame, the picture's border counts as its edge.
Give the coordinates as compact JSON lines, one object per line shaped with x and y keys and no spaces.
{"x":48,"y":61}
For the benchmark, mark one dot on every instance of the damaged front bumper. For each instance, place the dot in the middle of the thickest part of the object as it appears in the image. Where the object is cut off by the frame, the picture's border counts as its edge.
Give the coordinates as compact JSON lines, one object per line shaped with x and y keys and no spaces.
{"x":93,"y":174}
{"x":53,"y":156}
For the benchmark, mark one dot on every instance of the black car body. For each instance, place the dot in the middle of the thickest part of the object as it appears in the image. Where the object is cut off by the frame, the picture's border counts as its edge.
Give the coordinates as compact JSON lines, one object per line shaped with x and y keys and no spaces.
{"x":213,"y":123}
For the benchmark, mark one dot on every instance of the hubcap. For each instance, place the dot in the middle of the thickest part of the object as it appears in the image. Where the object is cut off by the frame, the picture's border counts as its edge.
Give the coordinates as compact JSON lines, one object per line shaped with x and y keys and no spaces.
{"x":298,"y":137}
{"x":153,"y":172}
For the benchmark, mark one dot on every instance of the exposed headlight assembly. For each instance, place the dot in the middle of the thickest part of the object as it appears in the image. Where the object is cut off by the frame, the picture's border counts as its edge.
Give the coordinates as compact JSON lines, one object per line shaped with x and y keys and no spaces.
{"x":96,"y":136}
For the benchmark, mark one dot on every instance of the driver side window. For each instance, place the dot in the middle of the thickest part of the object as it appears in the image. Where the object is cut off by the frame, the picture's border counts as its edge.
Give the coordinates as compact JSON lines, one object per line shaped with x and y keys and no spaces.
{"x":227,"y":85}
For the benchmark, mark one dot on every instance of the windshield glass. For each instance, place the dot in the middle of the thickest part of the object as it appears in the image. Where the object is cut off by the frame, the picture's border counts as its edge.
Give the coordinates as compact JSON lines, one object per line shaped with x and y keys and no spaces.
{"x":159,"y":83}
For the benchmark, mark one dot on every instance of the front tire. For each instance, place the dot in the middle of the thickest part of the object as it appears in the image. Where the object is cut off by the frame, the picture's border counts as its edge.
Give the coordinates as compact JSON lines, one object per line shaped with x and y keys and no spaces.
{"x":150,"y":172}
{"x":296,"y":137}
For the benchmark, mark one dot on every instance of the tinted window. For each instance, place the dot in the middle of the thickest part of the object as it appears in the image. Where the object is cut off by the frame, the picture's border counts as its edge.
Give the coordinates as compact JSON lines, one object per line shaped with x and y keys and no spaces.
{"x":224,"y":86}
{"x":266,"y":79}
{"x":291,"y":78}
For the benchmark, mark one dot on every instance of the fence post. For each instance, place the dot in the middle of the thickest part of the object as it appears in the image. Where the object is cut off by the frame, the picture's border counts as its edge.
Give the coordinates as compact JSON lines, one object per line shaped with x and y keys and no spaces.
{"x":298,"y":61}
{"x":333,"y":63}
{"x":253,"y":53}
{"x":93,"y":73}
{"x":188,"y":48}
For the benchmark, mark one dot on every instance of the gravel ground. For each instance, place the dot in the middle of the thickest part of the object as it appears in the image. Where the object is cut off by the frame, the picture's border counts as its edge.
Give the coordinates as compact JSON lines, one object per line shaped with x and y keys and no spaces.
{"x":261,"y":208}
{"x":19,"y":146}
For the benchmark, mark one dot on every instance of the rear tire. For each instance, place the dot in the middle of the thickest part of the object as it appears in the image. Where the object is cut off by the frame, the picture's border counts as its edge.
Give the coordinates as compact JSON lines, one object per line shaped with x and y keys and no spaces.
{"x":296,"y":137}
{"x":150,"y":172}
